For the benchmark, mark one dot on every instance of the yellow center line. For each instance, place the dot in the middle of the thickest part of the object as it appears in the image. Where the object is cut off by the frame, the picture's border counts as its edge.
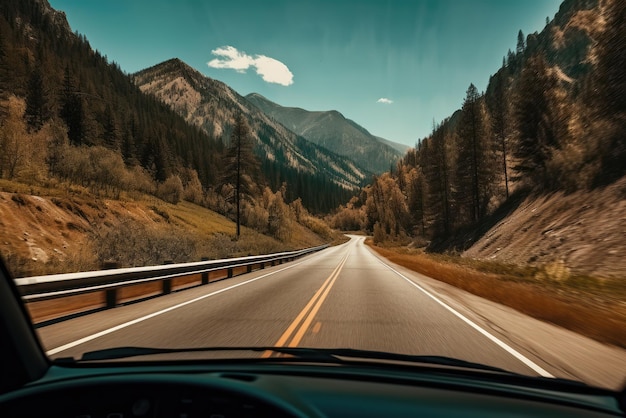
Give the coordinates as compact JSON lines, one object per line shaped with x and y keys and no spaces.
{"x":307,"y":322}
{"x":319,"y":296}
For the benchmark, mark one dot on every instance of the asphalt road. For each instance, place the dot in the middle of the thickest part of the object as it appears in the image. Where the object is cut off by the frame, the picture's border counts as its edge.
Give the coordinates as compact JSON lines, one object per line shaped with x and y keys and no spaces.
{"x":344,"y":296}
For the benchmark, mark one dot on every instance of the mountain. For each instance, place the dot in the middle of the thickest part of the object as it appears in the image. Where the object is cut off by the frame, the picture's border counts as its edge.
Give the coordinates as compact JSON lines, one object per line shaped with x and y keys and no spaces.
{"x":395,"y":145}
{"x":212,"y":106}
{"x":65,"y":82}
{"x":67,"y":86}
{"x":333,"y":131}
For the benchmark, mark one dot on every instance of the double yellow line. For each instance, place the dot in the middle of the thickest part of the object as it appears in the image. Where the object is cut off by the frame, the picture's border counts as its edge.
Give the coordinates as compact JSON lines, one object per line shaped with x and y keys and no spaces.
{"x":308,"y":313}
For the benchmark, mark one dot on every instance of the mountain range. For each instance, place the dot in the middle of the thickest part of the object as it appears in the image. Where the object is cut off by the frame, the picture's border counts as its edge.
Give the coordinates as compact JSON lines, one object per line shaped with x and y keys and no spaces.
{"x":212,"y":106}
{"x":331,"y":130}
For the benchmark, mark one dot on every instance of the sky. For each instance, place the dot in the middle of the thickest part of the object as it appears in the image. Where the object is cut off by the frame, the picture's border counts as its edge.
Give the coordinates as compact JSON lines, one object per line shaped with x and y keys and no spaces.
{"x":392,"y":66}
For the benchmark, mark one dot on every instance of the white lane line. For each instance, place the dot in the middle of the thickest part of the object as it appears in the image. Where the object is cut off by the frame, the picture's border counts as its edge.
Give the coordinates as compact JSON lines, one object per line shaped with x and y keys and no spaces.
{"x":171,"y":308}
{"x":541,"y":371}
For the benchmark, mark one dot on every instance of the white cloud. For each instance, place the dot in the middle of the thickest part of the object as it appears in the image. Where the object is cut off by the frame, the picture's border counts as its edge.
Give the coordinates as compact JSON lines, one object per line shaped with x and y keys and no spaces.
{"x":384,"y":100}
{"x":270,"y":69}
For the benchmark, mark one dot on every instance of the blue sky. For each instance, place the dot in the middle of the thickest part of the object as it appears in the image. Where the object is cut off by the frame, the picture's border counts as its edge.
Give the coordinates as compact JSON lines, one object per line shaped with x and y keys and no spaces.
{"x":421,"y":55}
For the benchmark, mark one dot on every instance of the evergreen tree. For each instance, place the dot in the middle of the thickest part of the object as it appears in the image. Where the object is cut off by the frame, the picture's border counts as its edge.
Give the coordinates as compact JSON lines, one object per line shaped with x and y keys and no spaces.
{"x":241,"y":168}
{"x":521,"y":44}
{"x":435,"y":163}
{"x":535,"y":121}
{"x":161,"y":158}
{"x":610,"y":88}
{"x":109,"y":129}
{"x":72,"y":111}
{"x":36,"y":104}
{"x":498,"y":106}
{"x":129,"y":147}
{"x":470,"y":152}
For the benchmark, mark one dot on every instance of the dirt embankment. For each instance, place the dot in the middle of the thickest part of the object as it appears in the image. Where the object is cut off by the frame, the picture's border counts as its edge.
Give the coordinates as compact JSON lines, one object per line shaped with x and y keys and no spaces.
{"x":584,"y":232}
{"x":38,"y":230}
{"x":64,"y":233}
{"x":43,"y":234}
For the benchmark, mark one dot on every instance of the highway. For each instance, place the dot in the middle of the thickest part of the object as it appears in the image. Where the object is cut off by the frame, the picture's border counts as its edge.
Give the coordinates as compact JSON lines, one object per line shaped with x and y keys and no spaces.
{"x":345,"y":296}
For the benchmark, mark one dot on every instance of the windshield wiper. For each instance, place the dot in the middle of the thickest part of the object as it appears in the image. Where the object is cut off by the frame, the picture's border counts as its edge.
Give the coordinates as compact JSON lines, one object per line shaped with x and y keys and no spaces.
{"x":325,"y":355}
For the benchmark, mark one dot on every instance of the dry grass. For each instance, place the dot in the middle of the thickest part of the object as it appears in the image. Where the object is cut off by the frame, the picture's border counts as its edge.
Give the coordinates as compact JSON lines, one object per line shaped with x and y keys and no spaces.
{"x":597,"y":311}
{"x":197,"y":218}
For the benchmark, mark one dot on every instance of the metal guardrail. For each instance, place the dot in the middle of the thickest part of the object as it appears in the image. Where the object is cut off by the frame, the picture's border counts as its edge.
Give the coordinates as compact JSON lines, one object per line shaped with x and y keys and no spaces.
{"x":55,"y":286}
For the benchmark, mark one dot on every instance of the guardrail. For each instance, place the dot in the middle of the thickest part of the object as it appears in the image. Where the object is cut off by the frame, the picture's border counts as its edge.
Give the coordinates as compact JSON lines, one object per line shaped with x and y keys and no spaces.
{"x":40,"y":288}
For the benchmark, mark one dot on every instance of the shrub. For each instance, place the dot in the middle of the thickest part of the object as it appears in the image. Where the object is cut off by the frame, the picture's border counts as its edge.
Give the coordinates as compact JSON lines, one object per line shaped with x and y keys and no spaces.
{"x":171,"y":190}
{"x":132,"y":244}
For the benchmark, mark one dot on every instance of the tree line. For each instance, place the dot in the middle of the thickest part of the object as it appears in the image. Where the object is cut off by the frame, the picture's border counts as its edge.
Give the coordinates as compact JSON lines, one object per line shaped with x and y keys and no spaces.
{"x":532,"y":131}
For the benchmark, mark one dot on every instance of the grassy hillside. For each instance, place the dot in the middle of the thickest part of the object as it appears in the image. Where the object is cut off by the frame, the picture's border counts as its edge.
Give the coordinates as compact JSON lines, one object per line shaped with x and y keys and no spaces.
{"x":67,"y":228}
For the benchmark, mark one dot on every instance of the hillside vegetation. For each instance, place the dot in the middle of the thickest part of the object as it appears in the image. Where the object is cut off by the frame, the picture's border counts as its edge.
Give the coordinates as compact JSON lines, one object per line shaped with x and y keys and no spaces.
{"x":538,"y":156}
{"x":67,"y":228}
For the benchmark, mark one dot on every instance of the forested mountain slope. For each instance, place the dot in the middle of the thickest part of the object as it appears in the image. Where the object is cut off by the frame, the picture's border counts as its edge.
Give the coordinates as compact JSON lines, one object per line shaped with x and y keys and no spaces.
{"x":332,"y":130}
{"x":550,"y":123}
{"x":212,"y":106}
{"x":64,"y":85}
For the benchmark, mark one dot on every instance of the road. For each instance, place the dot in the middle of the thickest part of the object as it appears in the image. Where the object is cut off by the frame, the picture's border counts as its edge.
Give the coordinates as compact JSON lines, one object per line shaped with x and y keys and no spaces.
{"x":344,"y":296}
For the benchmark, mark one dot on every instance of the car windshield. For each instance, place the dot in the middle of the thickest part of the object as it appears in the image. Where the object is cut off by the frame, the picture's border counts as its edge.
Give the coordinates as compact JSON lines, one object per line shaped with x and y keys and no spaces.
{"x":399,"y":181}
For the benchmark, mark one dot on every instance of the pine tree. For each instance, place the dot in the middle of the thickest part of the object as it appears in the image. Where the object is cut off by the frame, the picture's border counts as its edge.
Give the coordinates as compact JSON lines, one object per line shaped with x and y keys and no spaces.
{"x":521,"y":44}
{"x":241,"y":168}
{"x":610,"y":88}
{"x":470,"y":150}
{"x":109,"y":129}
{"x":498,"y":106}
{"x":72,"y":111}
{"x":435,"y":162}
{"x":36,"y":103}
{"x":535,"y":121}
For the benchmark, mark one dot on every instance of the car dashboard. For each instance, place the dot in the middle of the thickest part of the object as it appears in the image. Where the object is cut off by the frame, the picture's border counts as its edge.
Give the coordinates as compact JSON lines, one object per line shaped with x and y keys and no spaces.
{"x":277,"y":389}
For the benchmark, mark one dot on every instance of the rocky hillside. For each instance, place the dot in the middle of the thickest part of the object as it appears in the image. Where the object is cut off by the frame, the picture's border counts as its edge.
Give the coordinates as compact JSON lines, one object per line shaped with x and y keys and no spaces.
{"x":212,"y":106}
{"x":333,"y":131}
{"x":583,"y":232}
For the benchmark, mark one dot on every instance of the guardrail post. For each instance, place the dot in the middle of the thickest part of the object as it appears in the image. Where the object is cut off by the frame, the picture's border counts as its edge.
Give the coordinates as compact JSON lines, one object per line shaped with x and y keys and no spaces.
{"x":262,"y":265}
{"x":167,"y":283}
{"x":249,"y":268}
{"x":230,"y":272}
{"x":205,"y":275}
{"x":110,"y":295}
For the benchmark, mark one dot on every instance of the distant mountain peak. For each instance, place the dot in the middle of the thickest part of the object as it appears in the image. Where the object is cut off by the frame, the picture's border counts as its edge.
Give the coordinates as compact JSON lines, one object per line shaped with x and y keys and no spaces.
{"x":174,"y":65}
{"x":332,"y":130}
{"x":256,"y":95}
